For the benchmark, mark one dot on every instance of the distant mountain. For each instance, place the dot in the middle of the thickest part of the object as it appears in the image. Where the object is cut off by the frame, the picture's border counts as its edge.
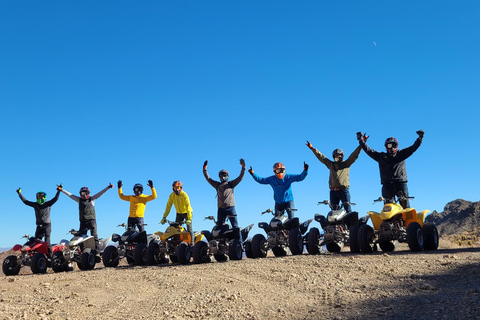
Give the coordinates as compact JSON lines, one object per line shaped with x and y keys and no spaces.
{"x":5,"y":249}
{"x":457,"y":216}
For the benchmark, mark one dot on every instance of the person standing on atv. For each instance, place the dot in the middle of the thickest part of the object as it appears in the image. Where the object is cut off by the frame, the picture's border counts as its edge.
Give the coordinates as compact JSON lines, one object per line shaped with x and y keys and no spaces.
{"x":137,"y":204}
{"x":339,"y":180}
{"x":281,"y":184}
{"x":42,"y":214}
{"x":86,"y":210}
{"x":180,"y":199}
{"x":393,"y":173}
{"x":225,"y":196}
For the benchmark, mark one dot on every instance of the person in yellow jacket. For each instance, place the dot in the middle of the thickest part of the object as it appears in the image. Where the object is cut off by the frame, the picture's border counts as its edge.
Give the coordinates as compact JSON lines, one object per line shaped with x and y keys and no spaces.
{"x":180,"y":199}
{"x":137,"y":204}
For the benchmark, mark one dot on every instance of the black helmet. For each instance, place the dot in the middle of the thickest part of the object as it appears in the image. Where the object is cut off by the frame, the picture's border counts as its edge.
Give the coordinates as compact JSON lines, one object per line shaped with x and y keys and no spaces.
{"x":391,"y":144}
{"x":337,"y":154}
{"x":84,"y":192}
{"x":138,"y":189}
{"x":223,"y":175}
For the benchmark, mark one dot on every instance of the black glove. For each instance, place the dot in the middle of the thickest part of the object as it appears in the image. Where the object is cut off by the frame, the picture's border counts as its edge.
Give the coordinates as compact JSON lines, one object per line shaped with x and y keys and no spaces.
{"x":110,"y":186}
{"x":59,"y":187}
{"x":250,"y":170}
{"x":242,"y":162}
{"x":305,"y":166}
{"x":365,"y":137}
{"x":359,"y":135}
{"x":150,"y":183}
{"x":420,"y":133}
{"x":19,"y":190}
{"x":205,"y":164}
{"x":119,"y":184}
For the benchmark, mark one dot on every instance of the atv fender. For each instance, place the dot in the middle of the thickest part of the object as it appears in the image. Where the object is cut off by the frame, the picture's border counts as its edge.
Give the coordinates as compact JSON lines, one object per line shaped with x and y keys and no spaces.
{"x":363,"y":220}
{"x":264,"y":226}
{"x":207,"y":234}
{"x":292,"y":223}
{"x":376,"y":220}
{"x":244,"y":232}
{"x":304,"y":226}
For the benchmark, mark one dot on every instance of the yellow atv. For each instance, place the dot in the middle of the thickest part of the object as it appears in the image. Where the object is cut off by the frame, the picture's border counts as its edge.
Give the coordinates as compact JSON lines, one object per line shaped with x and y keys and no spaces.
{"x":394,"y":223}
{"x":174,"y":243}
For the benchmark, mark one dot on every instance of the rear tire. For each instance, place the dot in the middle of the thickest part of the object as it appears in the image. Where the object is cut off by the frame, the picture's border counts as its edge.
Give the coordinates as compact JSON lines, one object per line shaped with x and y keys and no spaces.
{"x":279,"y":252}
{"x":313,"y":241}
{"x":87,"y":260}
{"x":220,"y":257}
{"x":110,"y":257}
{"x":11,"y":266}
{"x":415,"y":237}
{"x":59,"y":264}
{"x":430,"y":234}
{"x":39,"y":263}
{"x":353,"y":234}
{"x":387,"y":246}
{"x":295,"y":241}
{"x":183,"y":253}
{"x":200,"y":252}
{"x":153,"y":254}
{"x":259,"y":246}
{"x":366,"y":235}
{"x":334,"y":246}
{"x":235,"y":250}
{"x":248,"y":249}
{"x":140,"y":254}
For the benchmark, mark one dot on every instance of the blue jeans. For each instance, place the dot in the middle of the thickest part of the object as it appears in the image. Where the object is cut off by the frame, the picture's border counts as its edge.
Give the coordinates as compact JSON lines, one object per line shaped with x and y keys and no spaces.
{"x":340,"y":195}
{"x":281,"y":207}
{"x":132,"y":222}
{"x":229,"y":212}
{"x":390,"y":190}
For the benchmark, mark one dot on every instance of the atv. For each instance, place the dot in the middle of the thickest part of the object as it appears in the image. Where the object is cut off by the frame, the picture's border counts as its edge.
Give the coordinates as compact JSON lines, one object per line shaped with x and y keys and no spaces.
{"x":394,"y":223}
{"x":33,"y":253}
{"x":80,"y":250}
{"x":222,"y":242}
{"x":282,"y":233}
{"x":174,"y":243}
{"x":339,"y":228}
{"x":132,"y":245}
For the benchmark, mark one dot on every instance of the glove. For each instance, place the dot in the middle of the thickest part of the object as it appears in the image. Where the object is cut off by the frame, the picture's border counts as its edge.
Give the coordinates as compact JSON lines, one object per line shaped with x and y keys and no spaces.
{"x":359,"y":135}
{"x":163,"y":220}
{"x":309,"y":145}
{"x":110,"y":185}
{"x":188,"y":221}
{"x":305,"y":166}
{"x":242,"y":163}
{"x":119,"y":184}
{"x":420,"y":133}
{"x":19,"y":190}
{"x":150,"y":183}
{"x":365,"y":137}
{"x":59,"y":187}
{"x":250,"y":170}
{"x":205,"y":164}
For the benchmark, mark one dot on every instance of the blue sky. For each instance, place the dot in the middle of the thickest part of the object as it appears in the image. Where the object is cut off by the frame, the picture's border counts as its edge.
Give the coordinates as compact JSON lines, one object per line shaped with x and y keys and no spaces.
{"x":96,"y":91}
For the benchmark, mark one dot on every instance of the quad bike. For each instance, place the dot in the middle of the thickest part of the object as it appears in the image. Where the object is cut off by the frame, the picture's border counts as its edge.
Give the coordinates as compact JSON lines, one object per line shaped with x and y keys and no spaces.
{"x":80,"y":250}
{"x":340,"y":228}
{"x":222,"y":242}
{"x":132,"y":245}
{"x":281,"y":233}
{"x":33,"y":253}
{"x":394,"y":223}
{"x":174,"y":243}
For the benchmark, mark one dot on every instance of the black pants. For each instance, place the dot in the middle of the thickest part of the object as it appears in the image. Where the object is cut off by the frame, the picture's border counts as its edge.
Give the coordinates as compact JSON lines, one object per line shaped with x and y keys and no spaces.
{"x":92,"y":226}
{"x":183,"y":216}
{"x":44,"y":230}
{"x":138,"y":222}
{"x":390,"y":190}
{"x":280,"y":208}
{"x":229,"y":212}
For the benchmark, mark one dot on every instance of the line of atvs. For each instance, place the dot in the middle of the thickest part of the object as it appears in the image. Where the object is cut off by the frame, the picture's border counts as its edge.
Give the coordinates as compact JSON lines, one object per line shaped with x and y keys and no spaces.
{"x":339,"y":228}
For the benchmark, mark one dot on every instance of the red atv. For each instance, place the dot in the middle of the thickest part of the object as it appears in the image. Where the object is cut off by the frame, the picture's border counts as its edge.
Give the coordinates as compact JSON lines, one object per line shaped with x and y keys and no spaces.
{"x":33,"y":253}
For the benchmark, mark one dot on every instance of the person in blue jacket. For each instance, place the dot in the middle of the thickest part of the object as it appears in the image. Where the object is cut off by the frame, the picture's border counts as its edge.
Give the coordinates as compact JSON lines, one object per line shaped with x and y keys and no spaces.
{"x":281,"y":184}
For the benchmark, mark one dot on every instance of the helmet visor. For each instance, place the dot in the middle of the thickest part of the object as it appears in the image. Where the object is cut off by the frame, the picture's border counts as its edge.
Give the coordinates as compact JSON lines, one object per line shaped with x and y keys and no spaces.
{"x":279,"y":170}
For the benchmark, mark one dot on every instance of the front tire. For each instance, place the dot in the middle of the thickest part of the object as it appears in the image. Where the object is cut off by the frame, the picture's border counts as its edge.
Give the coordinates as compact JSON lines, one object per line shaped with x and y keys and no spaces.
{"x":387,"y":246}
{"x":259,"y":246}
{"x":313,"y":241}
{"x":59,"y":264}
{"x":183,"y":253}
{"x":110,"y":257}
{"x":430,"y":234}
{"x":235,"y":250}
{"x":353,"y":236}
{"x":11,"y":266}
{"x":87,"y":260}
{"x":279,"y":252}
{"x":248,"y":249}
{"x":39,"y":263}
{"x":140,"y":254}
{"x":295,"y":241}
{"x":415,"y":237}
{"x":366,"y":235}
{"x":334,"y":246}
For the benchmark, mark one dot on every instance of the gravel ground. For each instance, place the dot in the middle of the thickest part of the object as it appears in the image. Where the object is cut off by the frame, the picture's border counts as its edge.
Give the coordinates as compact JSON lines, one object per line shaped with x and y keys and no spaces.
{"x":444,"y":284}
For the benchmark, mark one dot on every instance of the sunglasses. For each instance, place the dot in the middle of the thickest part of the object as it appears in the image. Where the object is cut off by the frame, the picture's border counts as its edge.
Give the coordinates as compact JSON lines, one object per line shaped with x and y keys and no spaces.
{"x":279,"y":170}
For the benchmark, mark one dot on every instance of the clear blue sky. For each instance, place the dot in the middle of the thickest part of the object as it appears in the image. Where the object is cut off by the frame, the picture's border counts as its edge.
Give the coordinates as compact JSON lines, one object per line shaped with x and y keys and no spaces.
{"x":96,"y":91}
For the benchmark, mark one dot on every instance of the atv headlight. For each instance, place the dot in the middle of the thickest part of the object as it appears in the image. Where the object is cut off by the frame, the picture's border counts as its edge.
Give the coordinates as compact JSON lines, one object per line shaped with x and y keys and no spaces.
{"x":387,"y":209}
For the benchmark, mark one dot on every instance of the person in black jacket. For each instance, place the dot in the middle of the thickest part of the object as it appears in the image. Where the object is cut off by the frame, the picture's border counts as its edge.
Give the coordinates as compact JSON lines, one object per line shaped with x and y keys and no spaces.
{"x":393,"y":173}
{"x":42,"y":214}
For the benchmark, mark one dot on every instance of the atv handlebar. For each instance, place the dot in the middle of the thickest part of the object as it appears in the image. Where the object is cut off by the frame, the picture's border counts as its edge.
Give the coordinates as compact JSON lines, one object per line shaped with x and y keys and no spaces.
{"x":342,"y":205}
